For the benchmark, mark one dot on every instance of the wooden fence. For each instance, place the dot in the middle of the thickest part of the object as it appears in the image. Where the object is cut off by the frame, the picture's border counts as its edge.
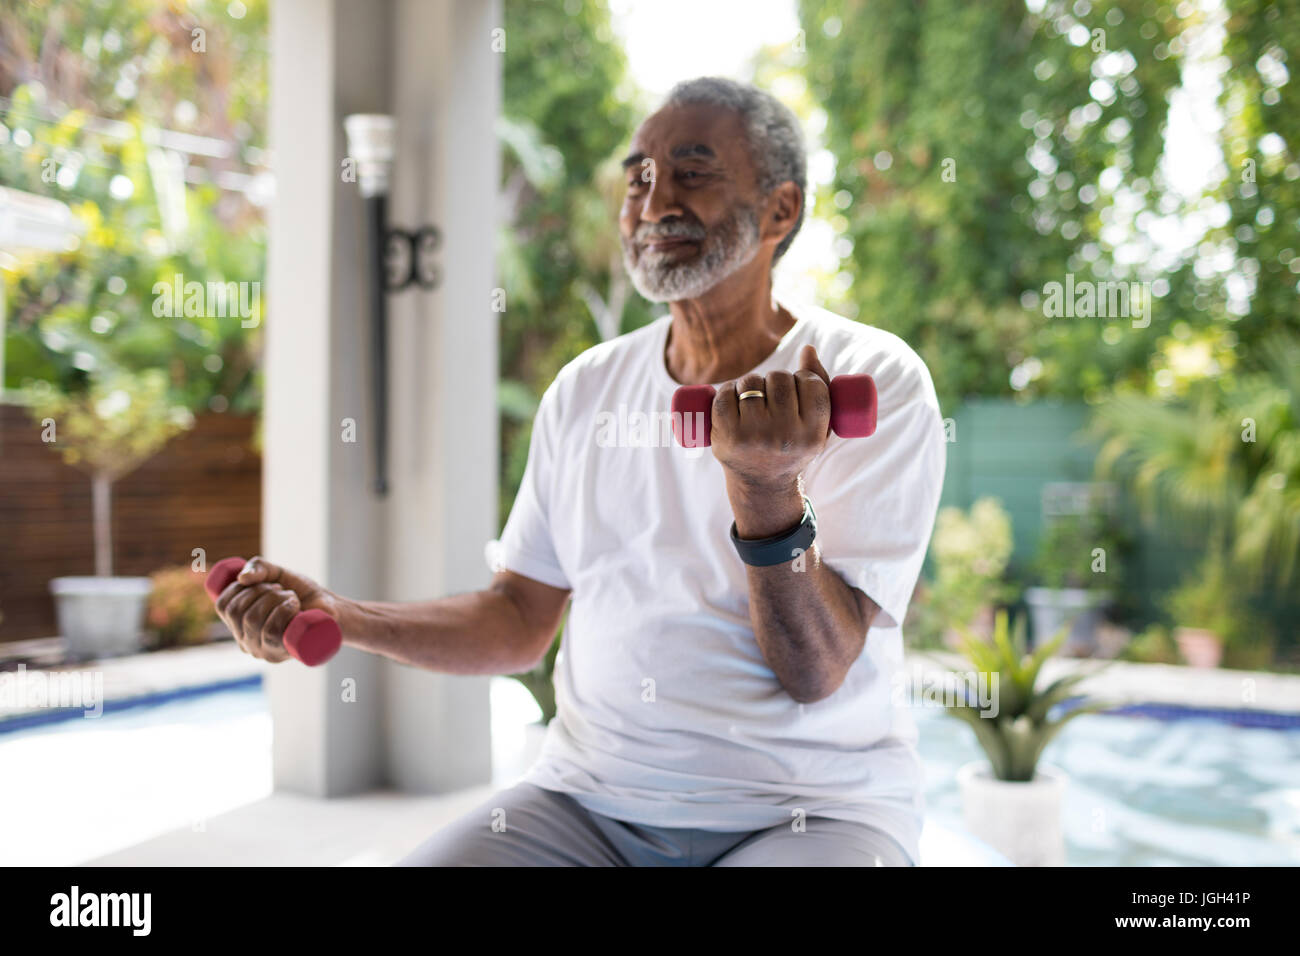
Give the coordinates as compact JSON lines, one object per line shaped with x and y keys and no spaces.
{"x":1014,"y":452}
{"x":203,"y":490}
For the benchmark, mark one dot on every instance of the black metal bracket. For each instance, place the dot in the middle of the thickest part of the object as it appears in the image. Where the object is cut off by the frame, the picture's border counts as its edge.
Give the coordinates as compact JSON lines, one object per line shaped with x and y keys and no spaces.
{"x":409,"y":258}
{"x":400,"y":259}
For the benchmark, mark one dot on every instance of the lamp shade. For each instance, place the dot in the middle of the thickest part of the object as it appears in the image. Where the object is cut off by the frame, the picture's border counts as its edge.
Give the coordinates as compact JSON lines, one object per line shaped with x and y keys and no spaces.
{"x":370,"y":145}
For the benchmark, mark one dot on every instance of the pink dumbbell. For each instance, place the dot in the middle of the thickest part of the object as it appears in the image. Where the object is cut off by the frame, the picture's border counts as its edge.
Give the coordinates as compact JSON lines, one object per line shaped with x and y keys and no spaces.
{"x":853,"y":410}
{"x":312,"y":637}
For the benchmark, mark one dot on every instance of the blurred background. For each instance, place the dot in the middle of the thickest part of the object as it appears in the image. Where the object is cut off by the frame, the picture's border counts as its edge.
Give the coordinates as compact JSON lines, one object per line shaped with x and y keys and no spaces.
{"x":1085,"y":216}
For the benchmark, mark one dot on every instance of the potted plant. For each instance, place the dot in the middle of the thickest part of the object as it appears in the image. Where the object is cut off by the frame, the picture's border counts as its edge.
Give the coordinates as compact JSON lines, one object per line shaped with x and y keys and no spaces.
{"x":1075,"y":560}
{"x":1011,"y":800}
{"x":118,"y":423}
{"x":1207,"y":612}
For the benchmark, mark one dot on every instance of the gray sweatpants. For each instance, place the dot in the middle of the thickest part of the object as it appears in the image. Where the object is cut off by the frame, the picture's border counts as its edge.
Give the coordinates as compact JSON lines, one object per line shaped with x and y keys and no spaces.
{"x":527,"y":825}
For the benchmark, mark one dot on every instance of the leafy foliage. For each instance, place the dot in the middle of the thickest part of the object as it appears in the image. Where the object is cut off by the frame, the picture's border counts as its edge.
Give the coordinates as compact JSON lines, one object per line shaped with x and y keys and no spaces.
{"x":89,"y":88}
{"x":1224,"y":457}
{"x":973,"y":143}
{"x":1210,"y":599}
{"x":120,"y":422}
{"x":567,"y":105}
{"x":1154,"y":645}
{"x":180,"y":611}
{"x":108,"y":430}
{"x":970,"y":554}
{"x":1065,"y":555}
{"x":1261,"y":143}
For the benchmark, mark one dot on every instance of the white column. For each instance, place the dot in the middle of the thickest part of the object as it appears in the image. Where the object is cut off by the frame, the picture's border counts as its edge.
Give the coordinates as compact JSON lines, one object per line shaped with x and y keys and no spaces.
{"x":446,"y":95}
{"x":297,"y":435}
{"x":428,"y":62}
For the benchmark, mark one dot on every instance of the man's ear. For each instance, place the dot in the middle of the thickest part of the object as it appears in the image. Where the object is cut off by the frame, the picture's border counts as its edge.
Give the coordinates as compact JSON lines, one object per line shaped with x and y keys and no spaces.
{"x":783,"y":207}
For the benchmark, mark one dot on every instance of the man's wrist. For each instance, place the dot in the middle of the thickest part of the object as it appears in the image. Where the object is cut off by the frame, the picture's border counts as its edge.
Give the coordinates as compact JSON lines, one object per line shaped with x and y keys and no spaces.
{"x":352,"y":617}
{"x":764,"y":509}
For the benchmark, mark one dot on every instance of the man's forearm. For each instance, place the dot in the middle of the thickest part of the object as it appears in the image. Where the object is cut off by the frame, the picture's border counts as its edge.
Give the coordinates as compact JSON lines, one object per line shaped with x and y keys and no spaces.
{"x":481,"y":632}
{"x":808,"y":621}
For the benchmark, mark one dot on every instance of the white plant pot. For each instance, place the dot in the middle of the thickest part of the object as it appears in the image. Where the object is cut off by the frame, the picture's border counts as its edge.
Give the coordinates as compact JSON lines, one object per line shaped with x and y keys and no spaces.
{"x":1051,"y":608}
{"x":100,"y":617}
{"x":1021,"y":820}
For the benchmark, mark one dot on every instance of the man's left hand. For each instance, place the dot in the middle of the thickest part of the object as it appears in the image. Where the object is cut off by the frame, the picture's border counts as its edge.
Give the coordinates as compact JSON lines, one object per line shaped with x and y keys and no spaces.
{"x":767,"y":442}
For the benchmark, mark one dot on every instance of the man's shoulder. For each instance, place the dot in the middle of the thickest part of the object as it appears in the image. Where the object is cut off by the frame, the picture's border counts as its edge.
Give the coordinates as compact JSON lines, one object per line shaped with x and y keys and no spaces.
{"x":847,"y":346}
{"x":612,"y":357}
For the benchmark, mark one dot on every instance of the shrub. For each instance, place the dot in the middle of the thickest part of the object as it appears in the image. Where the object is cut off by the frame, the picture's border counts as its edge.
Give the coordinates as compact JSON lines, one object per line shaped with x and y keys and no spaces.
{"x":1067,"y":550}
{"x":1211,"y":598}
{"x":970,"y":554}
{"x":180,"y":611}
{"x":1152,"y":646}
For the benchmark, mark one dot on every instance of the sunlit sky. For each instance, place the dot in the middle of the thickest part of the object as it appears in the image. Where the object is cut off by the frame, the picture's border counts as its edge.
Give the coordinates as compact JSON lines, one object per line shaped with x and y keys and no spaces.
{"x":671,"y":40}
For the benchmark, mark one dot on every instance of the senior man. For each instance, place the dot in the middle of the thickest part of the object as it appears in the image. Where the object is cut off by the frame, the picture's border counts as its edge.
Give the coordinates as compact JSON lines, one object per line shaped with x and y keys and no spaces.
{"x":714,"y":709}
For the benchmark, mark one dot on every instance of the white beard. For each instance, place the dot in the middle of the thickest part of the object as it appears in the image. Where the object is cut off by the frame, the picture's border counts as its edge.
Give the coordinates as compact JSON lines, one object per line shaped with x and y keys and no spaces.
{"x":730,"y":245}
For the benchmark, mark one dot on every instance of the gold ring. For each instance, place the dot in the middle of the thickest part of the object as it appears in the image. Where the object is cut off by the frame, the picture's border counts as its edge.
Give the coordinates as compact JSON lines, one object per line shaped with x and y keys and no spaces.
{"x":752,"y":393}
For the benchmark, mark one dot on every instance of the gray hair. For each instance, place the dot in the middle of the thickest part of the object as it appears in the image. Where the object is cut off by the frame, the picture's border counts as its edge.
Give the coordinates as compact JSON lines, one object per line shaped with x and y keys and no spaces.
{"x":775,"y":140}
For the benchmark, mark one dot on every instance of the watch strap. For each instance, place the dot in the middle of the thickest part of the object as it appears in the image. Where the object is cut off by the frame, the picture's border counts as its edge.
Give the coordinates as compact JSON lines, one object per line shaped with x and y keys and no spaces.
{"x":779,"y":548}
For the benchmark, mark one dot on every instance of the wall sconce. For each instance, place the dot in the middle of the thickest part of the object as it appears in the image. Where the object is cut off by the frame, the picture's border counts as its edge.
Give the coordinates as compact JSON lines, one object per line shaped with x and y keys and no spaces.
{"x":397,"y":259}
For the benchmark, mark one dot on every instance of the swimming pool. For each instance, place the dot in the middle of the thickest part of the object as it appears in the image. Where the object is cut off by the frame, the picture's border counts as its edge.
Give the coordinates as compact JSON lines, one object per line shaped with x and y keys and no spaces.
{"x":82,"y":788}
{"x":1143,"y":791}
{"x":1151,"y":792}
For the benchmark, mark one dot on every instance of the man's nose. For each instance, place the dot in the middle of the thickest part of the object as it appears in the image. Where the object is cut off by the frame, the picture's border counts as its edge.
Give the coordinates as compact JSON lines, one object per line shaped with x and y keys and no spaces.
{"x":660,"y":202}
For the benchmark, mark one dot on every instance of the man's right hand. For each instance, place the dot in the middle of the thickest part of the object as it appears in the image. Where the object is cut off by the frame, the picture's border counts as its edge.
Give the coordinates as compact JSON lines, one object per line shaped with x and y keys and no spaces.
{"x":259,"y":604}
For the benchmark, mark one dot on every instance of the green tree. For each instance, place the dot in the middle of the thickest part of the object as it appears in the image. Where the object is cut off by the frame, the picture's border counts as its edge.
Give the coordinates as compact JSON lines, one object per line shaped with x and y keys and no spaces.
{"x":1209,"y":444}
{"x":1261,"y":146}
{"x":974,"y":145}
{"x":567,"y":111}
{"x":94,"y":95}
{"x":567,"y":106}
{"x":108,"y":431}
{"x":1222,"y":459}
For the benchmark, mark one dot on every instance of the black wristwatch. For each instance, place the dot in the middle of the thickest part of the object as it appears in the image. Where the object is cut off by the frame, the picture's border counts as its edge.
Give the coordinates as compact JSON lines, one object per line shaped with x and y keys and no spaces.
{"x":786,"y":546}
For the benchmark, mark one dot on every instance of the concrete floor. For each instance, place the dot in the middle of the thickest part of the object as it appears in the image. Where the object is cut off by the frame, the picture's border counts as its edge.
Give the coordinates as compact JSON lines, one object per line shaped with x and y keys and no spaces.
{"x":378,"y":829}
{"x":374,"y":829}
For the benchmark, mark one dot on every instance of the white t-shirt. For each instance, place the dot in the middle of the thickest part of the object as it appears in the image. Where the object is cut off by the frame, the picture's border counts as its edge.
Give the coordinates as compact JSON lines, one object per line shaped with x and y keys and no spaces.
{"x":668,"y":715}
